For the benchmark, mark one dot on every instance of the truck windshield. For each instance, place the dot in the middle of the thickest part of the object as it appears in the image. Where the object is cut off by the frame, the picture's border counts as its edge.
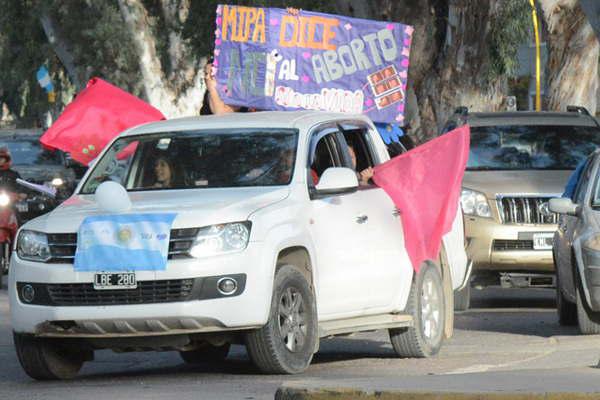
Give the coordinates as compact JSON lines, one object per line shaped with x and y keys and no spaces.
{"x":30,"y":152}
{"x":531,"y":147}
{"x":198,"y":159}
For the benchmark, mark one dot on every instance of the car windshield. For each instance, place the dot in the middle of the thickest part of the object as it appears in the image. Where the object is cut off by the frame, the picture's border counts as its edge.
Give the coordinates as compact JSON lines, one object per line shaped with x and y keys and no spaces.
{"x":531,"y":147}
{"x":30,"y":152}
{"x":198,"y":159}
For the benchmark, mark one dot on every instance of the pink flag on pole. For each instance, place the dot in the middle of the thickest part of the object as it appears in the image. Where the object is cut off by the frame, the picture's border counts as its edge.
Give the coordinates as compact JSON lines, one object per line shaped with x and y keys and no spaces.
{"x":425,"y":185}
{"x":99,"y":113}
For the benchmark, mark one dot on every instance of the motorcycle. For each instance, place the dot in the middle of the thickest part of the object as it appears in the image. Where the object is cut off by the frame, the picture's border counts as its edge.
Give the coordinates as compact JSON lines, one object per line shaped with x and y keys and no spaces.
{"x":9,"y":221}
{"x":8,"y":229}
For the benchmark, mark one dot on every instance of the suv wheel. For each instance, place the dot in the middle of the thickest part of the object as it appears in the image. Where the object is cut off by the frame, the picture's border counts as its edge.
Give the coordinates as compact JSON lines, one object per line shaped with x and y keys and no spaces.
{"x":566,"y":310}
{"x":285,"y":345}
{"x":426,"y":305}
{"x":49,"y":360}
{"x":206,"y":354}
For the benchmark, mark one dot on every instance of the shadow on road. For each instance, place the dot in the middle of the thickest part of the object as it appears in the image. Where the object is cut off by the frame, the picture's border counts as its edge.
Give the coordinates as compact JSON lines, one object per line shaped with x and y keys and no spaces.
{"x":530,"y":312}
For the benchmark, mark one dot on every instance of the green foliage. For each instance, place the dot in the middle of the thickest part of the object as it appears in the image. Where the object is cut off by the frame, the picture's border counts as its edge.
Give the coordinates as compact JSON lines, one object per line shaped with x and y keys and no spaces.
{"x":23,"y":49}
{"x":511,"y":26}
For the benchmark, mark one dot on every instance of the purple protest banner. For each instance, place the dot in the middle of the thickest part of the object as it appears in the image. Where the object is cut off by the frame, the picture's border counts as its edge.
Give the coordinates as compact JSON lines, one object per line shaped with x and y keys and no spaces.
{"x":268,"y":59}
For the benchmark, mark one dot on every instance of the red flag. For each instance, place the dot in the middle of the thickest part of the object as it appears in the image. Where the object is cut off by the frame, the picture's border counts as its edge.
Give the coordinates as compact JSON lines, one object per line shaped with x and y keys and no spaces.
{"x":99,"y":113}
{"x":425,"y":185}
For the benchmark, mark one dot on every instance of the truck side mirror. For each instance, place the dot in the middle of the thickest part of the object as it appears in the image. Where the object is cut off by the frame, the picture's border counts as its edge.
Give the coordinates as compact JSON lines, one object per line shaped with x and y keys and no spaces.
{"x":563,"y":205}
{"x":335,"y":180}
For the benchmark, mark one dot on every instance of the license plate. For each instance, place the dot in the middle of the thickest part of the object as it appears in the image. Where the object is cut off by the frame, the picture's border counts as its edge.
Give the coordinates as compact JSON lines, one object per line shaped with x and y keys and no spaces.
{"x":543,"y":241}
{"x":121,"y":280}
{"x":22,"y":207}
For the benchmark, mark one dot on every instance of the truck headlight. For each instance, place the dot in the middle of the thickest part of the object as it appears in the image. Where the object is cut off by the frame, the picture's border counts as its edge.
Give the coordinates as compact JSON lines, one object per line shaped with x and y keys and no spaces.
{"x":33,"y":246}
{"x":221,"y":239}
{"x":475,"y":203}
{"x":593,"y":243}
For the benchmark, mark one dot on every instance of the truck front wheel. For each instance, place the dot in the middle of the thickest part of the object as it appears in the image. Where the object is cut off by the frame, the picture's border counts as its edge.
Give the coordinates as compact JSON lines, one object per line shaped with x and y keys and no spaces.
{"x":45,"y":359}
{"x":427,"y":307}
{"x":285,"y":345}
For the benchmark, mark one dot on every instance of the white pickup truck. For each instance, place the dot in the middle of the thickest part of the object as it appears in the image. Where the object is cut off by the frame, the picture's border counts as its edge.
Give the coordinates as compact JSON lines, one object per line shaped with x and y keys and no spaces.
{"x":273,"y":245}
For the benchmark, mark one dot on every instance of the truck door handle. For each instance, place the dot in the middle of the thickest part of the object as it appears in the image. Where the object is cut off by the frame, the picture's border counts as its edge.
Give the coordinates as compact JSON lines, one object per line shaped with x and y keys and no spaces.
{"x":361,"y":219}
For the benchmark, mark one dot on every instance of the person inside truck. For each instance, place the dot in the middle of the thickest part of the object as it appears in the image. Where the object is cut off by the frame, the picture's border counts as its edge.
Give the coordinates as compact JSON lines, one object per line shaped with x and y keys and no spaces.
{"x":366,"y":174}
{"x":165,"y":174}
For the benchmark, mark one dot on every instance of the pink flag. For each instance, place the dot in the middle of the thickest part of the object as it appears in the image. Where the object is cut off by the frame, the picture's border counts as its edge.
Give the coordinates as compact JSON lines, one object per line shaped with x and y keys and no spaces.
{"x":425,"y":185}
{"x":99,"y":113}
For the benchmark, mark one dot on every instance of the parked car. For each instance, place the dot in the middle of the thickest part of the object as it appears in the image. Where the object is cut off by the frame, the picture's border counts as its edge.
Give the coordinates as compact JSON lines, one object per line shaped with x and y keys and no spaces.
{"x":577,"y":252}
{"x":259,"y":253}
{"x":518,"y":161}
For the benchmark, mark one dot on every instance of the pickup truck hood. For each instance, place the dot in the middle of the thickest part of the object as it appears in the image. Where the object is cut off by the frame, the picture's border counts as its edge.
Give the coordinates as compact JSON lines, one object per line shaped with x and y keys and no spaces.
{"x":194,"y":208}
{"x":492,"y":183}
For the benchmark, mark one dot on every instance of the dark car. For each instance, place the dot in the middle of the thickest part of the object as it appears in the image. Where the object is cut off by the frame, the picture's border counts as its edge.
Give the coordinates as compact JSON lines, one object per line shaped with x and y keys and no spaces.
{"x":39,"y":166}
{"x":577,"y":251}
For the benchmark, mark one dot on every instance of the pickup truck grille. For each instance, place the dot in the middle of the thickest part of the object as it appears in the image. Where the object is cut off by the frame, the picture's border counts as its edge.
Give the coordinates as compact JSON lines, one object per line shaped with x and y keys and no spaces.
{"x":147,"y":292}
{"x":63,"y":245}
{"x":508,"y":245}
{"x":526,"y":210}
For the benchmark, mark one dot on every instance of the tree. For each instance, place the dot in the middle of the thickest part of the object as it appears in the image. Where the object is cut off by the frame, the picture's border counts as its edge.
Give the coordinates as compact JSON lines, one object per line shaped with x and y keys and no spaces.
{"x":574,"y":51}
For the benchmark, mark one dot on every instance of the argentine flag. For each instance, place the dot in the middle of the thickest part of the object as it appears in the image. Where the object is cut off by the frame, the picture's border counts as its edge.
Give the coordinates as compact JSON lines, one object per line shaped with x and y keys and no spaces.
{"x":43,"y":77}
{"x":130,"y":242}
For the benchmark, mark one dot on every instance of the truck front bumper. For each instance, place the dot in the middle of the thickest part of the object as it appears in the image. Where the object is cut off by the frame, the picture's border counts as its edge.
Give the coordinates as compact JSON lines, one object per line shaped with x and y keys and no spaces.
{"x":75,"y":309}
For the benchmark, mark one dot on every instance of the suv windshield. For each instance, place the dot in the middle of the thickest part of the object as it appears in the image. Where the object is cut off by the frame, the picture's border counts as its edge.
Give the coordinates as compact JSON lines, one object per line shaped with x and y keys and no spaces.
{"x":531,"y":147}
{"x":198,"y":159}
{"x":30,"y":152}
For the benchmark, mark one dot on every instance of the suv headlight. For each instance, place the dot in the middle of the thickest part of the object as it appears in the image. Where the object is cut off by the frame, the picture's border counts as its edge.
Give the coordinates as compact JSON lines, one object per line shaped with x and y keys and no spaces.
{"x":33,"y":246}
{"x":475,"y":203}
{"x":221,"y":239}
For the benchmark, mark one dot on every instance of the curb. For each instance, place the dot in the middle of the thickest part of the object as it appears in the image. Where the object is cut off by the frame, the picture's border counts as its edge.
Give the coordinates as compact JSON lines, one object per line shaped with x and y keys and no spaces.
{"x":291,"y":393}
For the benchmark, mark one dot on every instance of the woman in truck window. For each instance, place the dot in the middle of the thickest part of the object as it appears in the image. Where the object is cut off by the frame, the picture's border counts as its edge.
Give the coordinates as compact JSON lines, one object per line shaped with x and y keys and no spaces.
{"x":164,"y":172}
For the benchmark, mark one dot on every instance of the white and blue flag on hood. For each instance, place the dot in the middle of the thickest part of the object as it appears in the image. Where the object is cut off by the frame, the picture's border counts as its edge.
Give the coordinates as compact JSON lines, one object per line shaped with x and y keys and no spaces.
{"x":129,"y":242}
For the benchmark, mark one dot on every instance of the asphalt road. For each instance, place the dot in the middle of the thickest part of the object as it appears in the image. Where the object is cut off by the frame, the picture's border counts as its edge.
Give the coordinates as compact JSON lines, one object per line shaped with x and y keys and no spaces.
{"x":509,"y":341}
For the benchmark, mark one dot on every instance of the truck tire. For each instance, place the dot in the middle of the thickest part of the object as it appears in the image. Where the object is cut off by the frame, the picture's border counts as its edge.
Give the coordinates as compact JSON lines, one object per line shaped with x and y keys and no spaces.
{"x":587,"y":326}
{"x":48,"y":360}
{"x":285,"y":345}
{"x":426,"y":305}
{"x":206,"y":354}
{"x":566,"y":310}
{"x":462,"y":298}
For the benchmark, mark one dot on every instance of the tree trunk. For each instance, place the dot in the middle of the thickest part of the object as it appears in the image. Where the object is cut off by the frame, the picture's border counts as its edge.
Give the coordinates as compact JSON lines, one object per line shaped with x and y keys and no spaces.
{"x":460,"y":74}
{"x":180,"y":94}
{"x":61,"y":47}
{"x":574,"y":51}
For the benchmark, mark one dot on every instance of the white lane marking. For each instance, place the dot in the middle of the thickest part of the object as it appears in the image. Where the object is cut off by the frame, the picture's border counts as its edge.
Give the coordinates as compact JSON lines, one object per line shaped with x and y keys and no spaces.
{"x":476,"y":368}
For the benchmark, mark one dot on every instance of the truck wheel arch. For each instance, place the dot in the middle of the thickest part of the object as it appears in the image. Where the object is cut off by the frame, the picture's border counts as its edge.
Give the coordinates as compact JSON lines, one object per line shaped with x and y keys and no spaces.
{"x":299,"y":257}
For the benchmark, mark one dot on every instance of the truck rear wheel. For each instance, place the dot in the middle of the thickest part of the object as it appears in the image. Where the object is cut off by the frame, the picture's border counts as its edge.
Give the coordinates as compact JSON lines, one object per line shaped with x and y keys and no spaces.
{"x":462,"y":298}
{"x":206,"y":354}
{"x":49,"y":360}
{"x":285,"y":345}
{"x":426,"y":305}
